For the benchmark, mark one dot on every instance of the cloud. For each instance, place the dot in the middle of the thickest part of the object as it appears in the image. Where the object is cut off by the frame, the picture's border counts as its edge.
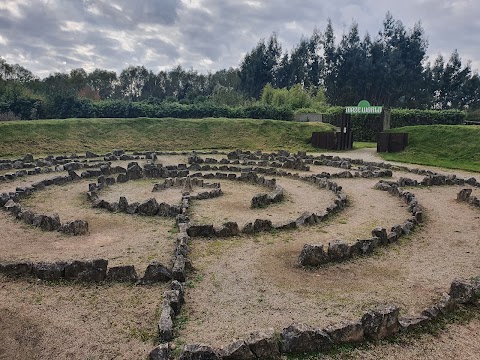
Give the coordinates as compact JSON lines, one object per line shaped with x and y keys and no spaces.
{"x":47,"y":36}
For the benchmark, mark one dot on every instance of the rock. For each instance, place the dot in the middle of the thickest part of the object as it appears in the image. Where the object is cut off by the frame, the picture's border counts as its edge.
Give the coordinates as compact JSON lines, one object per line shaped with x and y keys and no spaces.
{"x":381,"y":233}
{"x":134,"y":172}
{"x":201,"y":230}
{"x":408,"y":323}
{"x":125,"y":273}
{"x":338,"y":250}
{"x":262,"y":225}
{"x":348,"y":332}
{"x":49,"y":271}
{"x":132,"y":208}
{"x":300,"y":338}
{"x":174,"y":298}
{"x":165,"y":324}
{"x":199,"y":352}
{"x":50,"y":223}
{"x":313,"y":255}
{"x":76,"y":227}
{"x":247,"y":228}
{"x":178,"y":269}
{"x":161,"y":352}
{"x":156,"y":272}
{"x":263,"y":344}
{"x":228,"y":229}
{"x":381,"y":322}
{"x":148,"y":208}
{"x":122,"y":204}
{"x":88,"y":270}
{"x":288,"y":225}
{"x":91,"y":155}
{"x":260,"y":201}
{"x":464,"y":194}
{"x":461,"y":291}
{"x":238,"y":350}
{"x":16,"y":269}
{"x":28,"y":158}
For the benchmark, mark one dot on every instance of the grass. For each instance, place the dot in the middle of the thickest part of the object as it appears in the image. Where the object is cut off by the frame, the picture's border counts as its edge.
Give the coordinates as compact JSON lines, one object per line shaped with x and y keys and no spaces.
{"x":364,"y":145}
{"x":79,"y":135}
{"x":449,"y":146}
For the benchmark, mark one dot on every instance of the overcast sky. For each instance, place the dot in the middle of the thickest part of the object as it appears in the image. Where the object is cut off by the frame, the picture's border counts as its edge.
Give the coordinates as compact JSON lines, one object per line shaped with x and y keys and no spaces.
{"x":46,"y":36}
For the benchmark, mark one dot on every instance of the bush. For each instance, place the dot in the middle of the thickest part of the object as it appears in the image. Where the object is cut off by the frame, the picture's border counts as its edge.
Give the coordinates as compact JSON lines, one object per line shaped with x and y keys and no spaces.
{"x":367,"y":127}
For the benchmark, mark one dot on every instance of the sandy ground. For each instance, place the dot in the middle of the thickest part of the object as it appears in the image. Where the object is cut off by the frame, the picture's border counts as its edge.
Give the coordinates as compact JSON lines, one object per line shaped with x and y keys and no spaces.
{"x":42,"y":321}
{"x":234,"y":204}
{"x":240,"y":284}
{"x":141,"y":190}
{"x":122,"y":239}
{"x":256,"y":283}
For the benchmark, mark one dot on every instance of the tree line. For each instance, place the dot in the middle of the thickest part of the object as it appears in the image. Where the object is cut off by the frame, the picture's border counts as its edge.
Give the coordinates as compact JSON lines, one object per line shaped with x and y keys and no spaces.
{"x":390,"y":69}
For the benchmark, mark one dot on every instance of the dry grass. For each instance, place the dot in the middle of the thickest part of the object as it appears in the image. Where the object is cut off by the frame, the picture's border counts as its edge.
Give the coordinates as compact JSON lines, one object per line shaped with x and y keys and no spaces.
{"x":234,"y":205}
{"x":49,"y":321}
{"x":255,"y":283}
{"x":120,"y":238}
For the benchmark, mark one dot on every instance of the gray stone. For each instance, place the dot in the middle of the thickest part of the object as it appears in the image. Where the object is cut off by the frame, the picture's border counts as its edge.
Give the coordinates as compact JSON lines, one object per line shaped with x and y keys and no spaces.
{"x":238,"y":350}
{"x":381,"y":322}
{"x":49,"y":271}
{"x":228,"y":229}
{"x":122,"y":204}
{"x":338,"y":250}
{"x":178,"y":269}
{"x":300,"y":338}
{"x":313,"y":255}
{"x":87,"y":270}
{"x":165,"y":324}
{"x":247,"y":228}
{"x":260,"y":201}
{"x":125,"y":273}
{"x":132,"y":208}
{"x":161,"y":352}
{"x":199,"y":352}
{"x":201,"y":231}
{"x":174,"y":298}
{"x":76,"y":227}
{"x":464,"y":194}
{"x":16,"y":269}
{"x":381,"y":233}
{"x":462,"y":291}
{"x":156,"y":272}
{"x":409,"y":323}
{"x":148,"y":208}
{"x":263,"y":344}
{"x":262,"y":225}
{"x":348,"y":332}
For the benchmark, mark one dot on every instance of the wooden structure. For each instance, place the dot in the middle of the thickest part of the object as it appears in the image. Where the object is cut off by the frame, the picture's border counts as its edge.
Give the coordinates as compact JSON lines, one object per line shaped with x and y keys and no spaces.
{"x":392,"y":142}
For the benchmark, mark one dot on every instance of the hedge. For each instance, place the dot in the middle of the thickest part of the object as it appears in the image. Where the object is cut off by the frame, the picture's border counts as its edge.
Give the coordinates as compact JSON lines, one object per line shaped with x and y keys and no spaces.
{"x":367,"y":127}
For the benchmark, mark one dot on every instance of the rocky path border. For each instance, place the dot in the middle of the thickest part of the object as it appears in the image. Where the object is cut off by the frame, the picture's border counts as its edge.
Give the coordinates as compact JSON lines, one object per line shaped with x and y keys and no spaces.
{"x":375,"y":324}
{"x":313,"y":255}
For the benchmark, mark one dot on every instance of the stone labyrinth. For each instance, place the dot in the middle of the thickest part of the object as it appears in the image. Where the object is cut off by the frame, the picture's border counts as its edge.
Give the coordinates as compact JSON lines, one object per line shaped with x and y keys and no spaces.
{"x":238,"y":255}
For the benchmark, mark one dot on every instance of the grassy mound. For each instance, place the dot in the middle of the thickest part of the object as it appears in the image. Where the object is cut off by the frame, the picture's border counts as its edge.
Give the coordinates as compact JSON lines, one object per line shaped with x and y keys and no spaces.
{"x":450,"y":146}
{"x":79,"y":135}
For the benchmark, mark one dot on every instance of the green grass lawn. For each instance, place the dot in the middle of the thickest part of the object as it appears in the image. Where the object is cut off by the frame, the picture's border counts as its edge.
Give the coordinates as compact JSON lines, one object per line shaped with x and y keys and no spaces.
{"x":79,"y":135}
{"x":450,"y":146}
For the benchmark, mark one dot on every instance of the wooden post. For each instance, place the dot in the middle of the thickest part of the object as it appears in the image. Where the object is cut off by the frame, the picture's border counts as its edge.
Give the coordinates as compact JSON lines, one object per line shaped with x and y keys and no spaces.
{"x":386,"y":114}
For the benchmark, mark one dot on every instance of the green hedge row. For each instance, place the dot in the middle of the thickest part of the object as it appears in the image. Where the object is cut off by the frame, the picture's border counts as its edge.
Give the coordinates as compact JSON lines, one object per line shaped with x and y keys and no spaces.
{"x":69,"y":107}
{"x":367,"y":127}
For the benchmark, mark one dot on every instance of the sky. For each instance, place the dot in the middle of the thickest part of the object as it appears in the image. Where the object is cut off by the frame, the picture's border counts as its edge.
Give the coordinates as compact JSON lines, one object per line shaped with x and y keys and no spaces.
{"x":48,"y":36}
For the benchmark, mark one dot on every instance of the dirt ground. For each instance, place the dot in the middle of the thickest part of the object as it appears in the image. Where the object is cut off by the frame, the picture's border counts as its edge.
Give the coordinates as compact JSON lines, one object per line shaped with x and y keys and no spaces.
{"x":255,"y":282}
{"x":122,"y":239}
{"x":240,"y":284}
{"x":234,"y":204}
{"x":55,"y":321}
